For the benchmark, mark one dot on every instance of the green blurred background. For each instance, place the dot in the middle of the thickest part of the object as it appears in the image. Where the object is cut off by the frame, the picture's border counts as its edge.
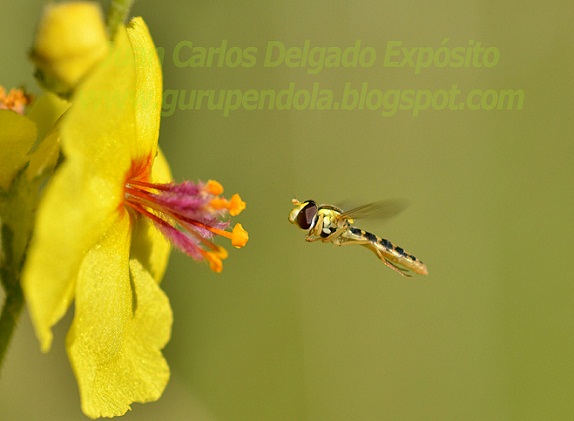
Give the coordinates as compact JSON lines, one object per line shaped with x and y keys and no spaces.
{"x":296,"y":331}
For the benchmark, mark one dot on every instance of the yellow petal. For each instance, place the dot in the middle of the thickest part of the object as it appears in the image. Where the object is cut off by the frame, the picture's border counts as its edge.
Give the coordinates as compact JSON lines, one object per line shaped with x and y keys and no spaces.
{"x":100,"y":127}
{"x":45,"y":112}
{"x":115,"y":344}
{"x":17,"y":136}
{"x":161,"y":173}
{"x":149,"y":246}
{"x":68,"y":223}
{"x":85,"y":194}
{"x":44,"y":159}
{"x":148,"y":88}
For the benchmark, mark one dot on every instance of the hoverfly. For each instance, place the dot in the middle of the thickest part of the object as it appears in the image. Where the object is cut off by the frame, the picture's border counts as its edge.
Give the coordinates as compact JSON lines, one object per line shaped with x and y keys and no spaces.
{"x":331,"y":224}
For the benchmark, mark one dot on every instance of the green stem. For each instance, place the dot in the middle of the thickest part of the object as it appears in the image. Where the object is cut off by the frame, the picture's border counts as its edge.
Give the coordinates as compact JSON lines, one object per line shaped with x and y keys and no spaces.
{"x":118,"y":13}
{"x":11,"y":311}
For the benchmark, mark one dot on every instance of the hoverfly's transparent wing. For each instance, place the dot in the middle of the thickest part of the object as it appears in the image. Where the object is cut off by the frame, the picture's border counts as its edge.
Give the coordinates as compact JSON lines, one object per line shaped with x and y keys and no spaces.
{"x":383,"y":209}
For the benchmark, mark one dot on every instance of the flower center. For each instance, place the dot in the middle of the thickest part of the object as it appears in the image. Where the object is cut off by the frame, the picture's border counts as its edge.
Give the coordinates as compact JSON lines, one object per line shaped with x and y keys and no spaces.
{"x":190,"y":215}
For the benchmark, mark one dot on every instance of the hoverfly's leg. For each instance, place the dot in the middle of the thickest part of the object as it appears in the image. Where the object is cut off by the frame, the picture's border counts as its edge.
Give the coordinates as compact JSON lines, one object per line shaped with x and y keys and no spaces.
{"x":346,"y":237}
{"x":314,"y":233}
{"x":347,"y":242}
{"x":335,"y":236}
{"x":386,"y":262}
{"x":402,"y":271}
{"x":391,"y":265}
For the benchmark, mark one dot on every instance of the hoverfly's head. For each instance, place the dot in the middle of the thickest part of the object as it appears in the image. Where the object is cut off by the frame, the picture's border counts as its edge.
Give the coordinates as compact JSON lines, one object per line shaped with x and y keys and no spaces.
{"x":304,"y":214}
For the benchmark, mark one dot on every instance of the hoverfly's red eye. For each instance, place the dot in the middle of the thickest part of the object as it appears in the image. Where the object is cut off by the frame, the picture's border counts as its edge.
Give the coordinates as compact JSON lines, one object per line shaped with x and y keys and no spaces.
{"x":306,"y":217}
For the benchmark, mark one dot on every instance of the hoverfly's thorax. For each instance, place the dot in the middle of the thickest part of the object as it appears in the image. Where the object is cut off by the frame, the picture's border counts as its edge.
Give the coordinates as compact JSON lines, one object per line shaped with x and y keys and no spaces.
{"x":332,"y":218}
{"x":330,"y":221}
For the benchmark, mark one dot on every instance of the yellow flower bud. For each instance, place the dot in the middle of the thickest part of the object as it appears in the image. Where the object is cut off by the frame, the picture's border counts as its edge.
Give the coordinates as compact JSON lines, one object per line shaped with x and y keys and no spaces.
{"x":71,"y":38}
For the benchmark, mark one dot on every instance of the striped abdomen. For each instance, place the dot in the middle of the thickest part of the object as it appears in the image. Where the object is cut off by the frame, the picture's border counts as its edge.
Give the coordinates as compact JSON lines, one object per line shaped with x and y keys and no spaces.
{"x":388,"y":250}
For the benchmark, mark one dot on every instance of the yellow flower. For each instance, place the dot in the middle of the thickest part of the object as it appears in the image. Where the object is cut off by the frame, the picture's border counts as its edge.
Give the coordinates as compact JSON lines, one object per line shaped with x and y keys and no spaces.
{"x":102,"y":230}
{"x":71,"y":38}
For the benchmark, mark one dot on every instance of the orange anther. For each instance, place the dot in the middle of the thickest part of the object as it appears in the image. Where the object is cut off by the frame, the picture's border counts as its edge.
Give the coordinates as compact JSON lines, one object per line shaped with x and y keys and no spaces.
{"x":239,"y":236}
{"x":214,"y":187}
{"x":236,"y":205}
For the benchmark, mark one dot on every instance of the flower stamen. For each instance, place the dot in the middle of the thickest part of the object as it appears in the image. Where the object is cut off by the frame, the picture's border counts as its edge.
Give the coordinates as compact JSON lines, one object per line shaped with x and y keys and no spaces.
{"x":189,"y":215}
